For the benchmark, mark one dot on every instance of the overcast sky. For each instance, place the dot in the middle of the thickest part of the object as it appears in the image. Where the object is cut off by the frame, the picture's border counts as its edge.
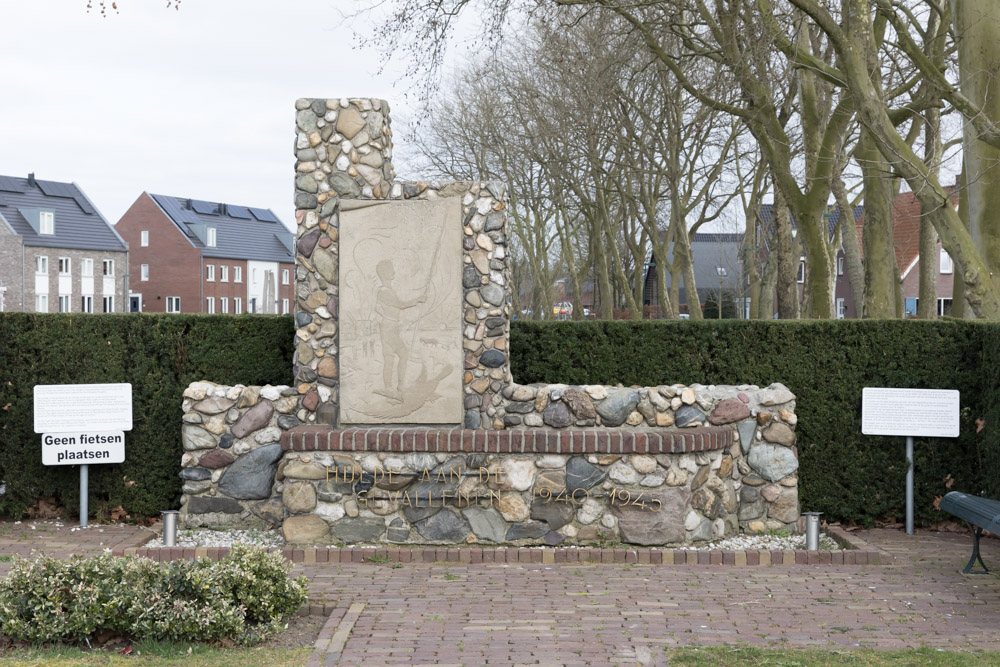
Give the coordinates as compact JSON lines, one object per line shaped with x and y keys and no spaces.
{"x":196,"y":103}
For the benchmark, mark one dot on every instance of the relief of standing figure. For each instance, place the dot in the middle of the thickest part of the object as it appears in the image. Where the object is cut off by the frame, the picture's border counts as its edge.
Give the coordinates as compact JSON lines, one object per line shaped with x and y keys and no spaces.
{"x":395,"y":353}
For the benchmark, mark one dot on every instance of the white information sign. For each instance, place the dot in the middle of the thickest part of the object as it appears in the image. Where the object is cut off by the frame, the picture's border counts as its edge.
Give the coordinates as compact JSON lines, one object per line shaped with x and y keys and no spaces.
{"x":79,"y":408}
{"x":65,"y":449}
{"x":929,"y":413}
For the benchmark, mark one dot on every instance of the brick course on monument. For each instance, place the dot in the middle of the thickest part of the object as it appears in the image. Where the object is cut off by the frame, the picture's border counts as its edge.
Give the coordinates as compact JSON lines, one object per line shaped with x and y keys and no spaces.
{"x":433,"y":442}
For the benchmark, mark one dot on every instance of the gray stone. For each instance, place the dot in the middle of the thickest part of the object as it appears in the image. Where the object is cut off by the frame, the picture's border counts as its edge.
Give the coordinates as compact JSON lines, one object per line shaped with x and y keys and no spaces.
{"x":703,"y":532}
{"x":207,"y":504}
{"x":226,"y":441}
{"x":444,"y":527}
{"x":528,"y":530}
{"x":582,"y":475}
{"x":307,"y":183}
{"x":615,"y":409}
{"x":772,"y":462}
{"x":555,"y":513}
{"x":701,"y":476}
{"x":752,"y":510}
{"x":647,"y":526}
{"x":352,"y":531}
{"x":493,"y":294}
{"x":493,"y":358}
{"x":288,"y":422}
{"x":318,"y":107}
{"x":326,"y":413}
{"x":302,"y":318}
{"x":271,"y":511}
{"x":494,"y":222}
{"x":343,"y":185}
{"x":747,"y":430}
{"x":213,"y":405}
{"x":749,"y":494}
{"x":305,"y":200}
{"x":331,"y":492}
{"x":486,"y":523}
{"x":557,"y":415}
{"x":552,"y":538}
{"x":195,"y":474}
{"x":421,"y":512}
{"x":521,"y":407}
{"x":786,"y":507}
{"x":329,"y":207}
{"x":252,"y":475}
{"x":195,"y":437}
{"x":470,"y":277}
{"x":688,"y":414}
{"x":473,"y":419}
{"x":253,"y":419}
{"x":325,"y":264}
{"x":397,"y":535}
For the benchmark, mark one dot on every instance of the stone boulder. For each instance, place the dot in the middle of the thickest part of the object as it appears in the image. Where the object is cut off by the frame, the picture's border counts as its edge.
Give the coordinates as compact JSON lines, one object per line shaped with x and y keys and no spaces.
{"x":444,"y":526}
{"x":253,"y":419}
{"x":352,"y":531}
{"x":615,"y":409}
{"x":649,"y":526}
{"x":251,"y":476}
{"x":772,"y":462}
{"x":486,"y":523}
{"x":304,"y":529}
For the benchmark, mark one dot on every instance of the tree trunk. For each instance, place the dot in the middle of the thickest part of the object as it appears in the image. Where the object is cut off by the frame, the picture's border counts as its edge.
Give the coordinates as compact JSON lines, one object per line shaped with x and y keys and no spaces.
{"x":959,"y":306}
{"x":927,"y":305}
{"x":881,"y":275}
{"x":786,"y":286}
{"x":765,"y":304}
{"x":684,"y":262}
{"x":853,"y":264}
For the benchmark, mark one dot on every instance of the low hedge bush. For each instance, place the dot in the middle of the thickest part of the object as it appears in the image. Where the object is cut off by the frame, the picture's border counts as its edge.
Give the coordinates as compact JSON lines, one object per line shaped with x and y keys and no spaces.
{"x":245,"y":598}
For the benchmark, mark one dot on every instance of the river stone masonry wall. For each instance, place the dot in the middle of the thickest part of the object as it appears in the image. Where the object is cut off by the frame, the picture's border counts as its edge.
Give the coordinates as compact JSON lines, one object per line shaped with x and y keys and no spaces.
{"x":343,"y":152}
{"x":711,"y":460}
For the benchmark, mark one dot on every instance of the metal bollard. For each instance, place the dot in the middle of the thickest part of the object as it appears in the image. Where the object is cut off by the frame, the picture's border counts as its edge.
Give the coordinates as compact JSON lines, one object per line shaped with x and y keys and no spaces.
{"x":812,"y":530}
{"x":169,"y":527}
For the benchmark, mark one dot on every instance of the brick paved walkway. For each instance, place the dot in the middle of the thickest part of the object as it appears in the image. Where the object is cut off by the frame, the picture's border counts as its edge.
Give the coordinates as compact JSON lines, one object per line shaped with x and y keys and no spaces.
{"x":576,"y":613}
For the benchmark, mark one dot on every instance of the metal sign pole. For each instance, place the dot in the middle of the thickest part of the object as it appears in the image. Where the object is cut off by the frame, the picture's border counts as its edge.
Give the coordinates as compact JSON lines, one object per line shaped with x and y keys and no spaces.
{"x":83,"y":496}
{"x":909,"y":485}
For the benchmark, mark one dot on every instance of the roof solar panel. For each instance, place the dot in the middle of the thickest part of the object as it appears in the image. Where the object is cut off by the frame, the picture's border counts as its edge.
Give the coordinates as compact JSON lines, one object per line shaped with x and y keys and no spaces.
{"x":204,"y":207}
{"x":84,"y":205}
{"x":53,"y":189}
{"x":3,"y":202}
{"x":241,"y":212}
{"x":10,"y":184}
{"x":263,"y":215}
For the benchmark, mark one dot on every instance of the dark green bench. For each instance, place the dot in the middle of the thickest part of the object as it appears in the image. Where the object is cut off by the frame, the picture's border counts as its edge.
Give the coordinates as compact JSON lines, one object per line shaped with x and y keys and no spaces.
{"x":981,"y":513}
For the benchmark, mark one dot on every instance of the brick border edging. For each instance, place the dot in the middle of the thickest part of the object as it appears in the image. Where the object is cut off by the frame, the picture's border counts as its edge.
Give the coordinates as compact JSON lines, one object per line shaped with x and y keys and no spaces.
{"x":475,"y":556}
{"x":519,"y":441}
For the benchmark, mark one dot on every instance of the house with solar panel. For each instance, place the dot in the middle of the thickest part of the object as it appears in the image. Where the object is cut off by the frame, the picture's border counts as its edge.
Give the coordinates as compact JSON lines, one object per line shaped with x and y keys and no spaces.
{"x":57,"y":252}
{"x":195,"y":256}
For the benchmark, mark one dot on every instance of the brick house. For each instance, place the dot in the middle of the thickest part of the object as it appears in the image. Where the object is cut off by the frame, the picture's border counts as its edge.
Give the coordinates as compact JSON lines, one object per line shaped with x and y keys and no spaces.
{"x":193,"y":256}
{"x":57,"y":252}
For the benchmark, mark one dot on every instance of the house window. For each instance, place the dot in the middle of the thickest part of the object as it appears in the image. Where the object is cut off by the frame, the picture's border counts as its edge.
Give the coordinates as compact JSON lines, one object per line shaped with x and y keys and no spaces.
{"x":109,"y":267}
{"x":210,"y":305}
{"x":224,"y":273}
{"x":87,"y":304}
{"x":87,"y":269}
{"x":109,"y":304}
{"x":144,"y":238}
{"x":64,"y":266}
{"x":210,"y":272}
{"x":41,"y":303}
{"x":64,"y":306}
{"x":237,"y":274}
{"x":46,"y":222}
{"x":284,"y":276}
{"x":224,"y":304}
{"x":943,"y":307}
{"x":173,"y":304}
{"x":719,"y":271}
{"x":144,"y":272}
{"x":41,"y":266}
{"x":211,"y":237}
{"x":800,"y":277}
{"x":237,"y":305}
{"x":841,"y":309}
{"x":284,"y":306}
{"x":840,"y":266}
{"x":947,"y":266}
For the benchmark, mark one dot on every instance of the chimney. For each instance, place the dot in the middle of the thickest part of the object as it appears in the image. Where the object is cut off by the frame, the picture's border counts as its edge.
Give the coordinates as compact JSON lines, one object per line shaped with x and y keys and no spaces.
{"x":222,"y":209}
{"x":31,"y":179}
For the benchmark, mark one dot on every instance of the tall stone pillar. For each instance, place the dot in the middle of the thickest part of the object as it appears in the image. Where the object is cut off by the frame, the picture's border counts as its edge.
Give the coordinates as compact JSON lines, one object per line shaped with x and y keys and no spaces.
{"x":343,"y":154}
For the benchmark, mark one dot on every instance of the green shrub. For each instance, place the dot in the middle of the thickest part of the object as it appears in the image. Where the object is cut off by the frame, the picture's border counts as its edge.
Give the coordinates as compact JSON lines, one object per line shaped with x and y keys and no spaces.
{"x":842,"y":473}
{"x":49,"y":599}
{"x":159,"y":355}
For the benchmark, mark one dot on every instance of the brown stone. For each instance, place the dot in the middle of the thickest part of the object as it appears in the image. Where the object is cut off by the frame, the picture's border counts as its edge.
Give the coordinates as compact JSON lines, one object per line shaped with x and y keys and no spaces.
{"x":301,"y":470}
{"x":213,"y":405}
{"x":763,"y":418}
{"x":579,"y":402}
{"x":726,"y":467}
{"x":304,"y":529}
{"x":701,"y":476}
{"x":553,"y":481}
{"x":703,"y":499}
{"x":253,"y":419}
{"x":480,"y":385}
{"x":646,"y":525}
{"x":607,"y":459}
{"x":350,"y":122}
{"x":512,"y":507}
{"x":728,"y":411}
{"x":217,"y":458}
{"x":788,"y":417}
{"x":311,"y":400}
{"x":298,"y":497}
{"x":786,"y":508}
{"x":249,"y":396}
{"x":780,"y":434}
{"x":327,"y":367}
{"x":770,"y":492}
{"x":664,"y":420}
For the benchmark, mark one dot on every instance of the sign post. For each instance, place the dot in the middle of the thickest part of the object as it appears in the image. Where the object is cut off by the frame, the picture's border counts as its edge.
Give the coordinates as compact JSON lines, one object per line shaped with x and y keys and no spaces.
{"x":928,"y":413}
{"x":82,"y":424}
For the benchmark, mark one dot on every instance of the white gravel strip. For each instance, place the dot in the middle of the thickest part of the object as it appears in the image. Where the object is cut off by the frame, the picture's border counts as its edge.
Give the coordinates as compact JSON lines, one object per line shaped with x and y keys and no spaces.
{"x":203,"y":537}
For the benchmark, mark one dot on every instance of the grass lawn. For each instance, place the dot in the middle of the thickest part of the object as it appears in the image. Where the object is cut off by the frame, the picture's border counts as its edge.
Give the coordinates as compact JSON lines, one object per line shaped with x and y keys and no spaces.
{"x":160,"y":653}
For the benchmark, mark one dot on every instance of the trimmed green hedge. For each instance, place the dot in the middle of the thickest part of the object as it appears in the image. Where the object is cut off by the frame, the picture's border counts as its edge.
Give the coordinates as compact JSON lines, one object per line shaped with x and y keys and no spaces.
{"x":160,"y":355}
{"x":843,"y":473}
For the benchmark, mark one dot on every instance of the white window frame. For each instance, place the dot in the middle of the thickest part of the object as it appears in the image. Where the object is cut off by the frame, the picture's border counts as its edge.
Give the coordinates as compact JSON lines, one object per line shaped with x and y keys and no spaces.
{"x":173,"y":304}
{"x":108,"y":302}
{"x":144,"y":272}
{"x":224,"y":304}
{"x":284,"y":306}
{"x":41,"y":265}
{"x":238,"y":305}
{"x":212,"y":237}
{"x":144,"y":238}
{"x":87,"y":267}
{"x":946,"y":263}
{"x":41,"y":303}
{"x":237,"y":274}
{"x":64,"y":303}
{"x":284,"y":276}
{"x":108,"y":266}
{"x":841,"y":308}
{"x":719,"y":271}
{"x":65,"y":266}
{"x":210,"y":273}
{"x":47,"y":222}
{"x":840,"y":266}
{"x":224,"y":273}
{"x":210,"y":305}
{"x":800,"y":275}
{"x":87,"y":304}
